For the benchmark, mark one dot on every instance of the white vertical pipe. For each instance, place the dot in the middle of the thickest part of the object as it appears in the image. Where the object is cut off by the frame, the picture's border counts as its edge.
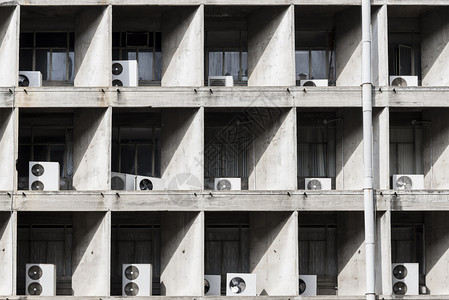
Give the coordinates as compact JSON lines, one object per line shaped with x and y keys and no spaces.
{"x":367,"y":151}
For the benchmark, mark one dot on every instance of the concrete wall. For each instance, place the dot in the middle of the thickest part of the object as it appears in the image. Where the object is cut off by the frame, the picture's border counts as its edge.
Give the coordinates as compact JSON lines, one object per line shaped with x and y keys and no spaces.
{"x":379,"y":54}
{"x":351,"y":254}
{"x":182,"y":254}
{"x":182,"y":144}
{"x":8,"y":244}
{"x":348,"y":47}
{"x":383,"y":253}
{"x":92,"y":148}
{"x":91,"y":254}
{"x":275,"y":149}
{"x":435,"y":48}
{"x":274,"y":252}
{"x":271,"y":47}
{"x":9,"y":45}
{"x":437,"y":252}
{"x":349,"y":171}
{"x":183,"y":46}
{"x":8,"y":119}
{"x":381,"y":153}
{"x":93,"y":53}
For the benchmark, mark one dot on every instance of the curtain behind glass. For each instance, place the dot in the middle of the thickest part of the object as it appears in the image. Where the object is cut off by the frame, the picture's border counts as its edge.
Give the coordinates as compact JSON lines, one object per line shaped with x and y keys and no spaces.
{"x":316,"y":158}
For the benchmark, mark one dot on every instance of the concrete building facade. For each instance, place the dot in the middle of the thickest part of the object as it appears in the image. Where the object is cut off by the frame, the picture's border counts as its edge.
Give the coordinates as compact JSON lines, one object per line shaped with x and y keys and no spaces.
{"x":268,"y":130}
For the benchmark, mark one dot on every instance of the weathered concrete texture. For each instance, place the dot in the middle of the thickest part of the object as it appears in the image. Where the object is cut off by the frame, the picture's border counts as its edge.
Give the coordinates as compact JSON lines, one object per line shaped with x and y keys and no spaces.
{"x":437,"y":252}
{"x":274,"y":252}
{"x":349,"y":158}
{"x":271,"y":47}
{"x":182,"y":145}
{"x":182,"y":254}
{"x":381,"y":153}
{"x":8,"y":119}
{"x":9,"y":45}
{"x":348,"y":47}
{"x":275,"y":152}
{"x":93,"y":53}
{"x":183,"y":46}
{"x":383,"y":253}
{"x":436,"y":148}
{"x":92,"y":148}
{"x":435,"y":48}
{"x":8,"y":243}
{"x":91,"y":255}
{"x":351,"y":254}
{"x":379,"y":55}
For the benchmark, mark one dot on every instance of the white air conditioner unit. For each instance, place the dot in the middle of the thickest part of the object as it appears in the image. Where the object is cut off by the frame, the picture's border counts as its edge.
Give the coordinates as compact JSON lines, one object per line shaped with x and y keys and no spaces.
{"x":240,"y":284}
{"x":221,"y":81}
{"x":408,"y":182}
{"x":123,"y":182}
{"x":318,"y":183}
{"x":307,"y":285}
{"x":43,"y":176}
{"x":125,"y":73}
{"x":30,"y":78}
{"x":314,"y":82}
{"x":40,"y":279}
{"x":405,"y":278}
{"x":137,"y":279}
{"x":212,"y":285}
{"x":403,"y":80}
{"x":145,"y":183}
{"x":233,"y":184}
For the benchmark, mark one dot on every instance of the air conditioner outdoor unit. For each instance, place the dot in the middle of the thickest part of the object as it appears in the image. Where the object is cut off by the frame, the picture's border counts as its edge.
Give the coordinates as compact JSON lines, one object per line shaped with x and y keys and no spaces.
{"x":123,"y":182}
{"x":403,"y":80}
{"x":240,"y":284}
{"x":221,"y":81}
{"x":30,"y":78}
{"x":318,"y":183}
{"x":43,"y":176}
{"x":40,"y":279}
{"x":137,"y":279}
{"x":405,"y":278}
{"x":314,"y":82}
{"x":212,"y":285}
{"x":408,"y":182}
{"x":233,"y":184}
{"x":145,"y":183}
{"x":125,"y":73}
{"x":307,"y":285}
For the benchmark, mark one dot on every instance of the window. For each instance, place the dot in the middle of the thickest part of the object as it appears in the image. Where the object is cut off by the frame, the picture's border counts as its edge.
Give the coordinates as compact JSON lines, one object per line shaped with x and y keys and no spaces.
{"x":404,"y":54}
{"x":46,"y":143}
{"x":406,"y":149}
{"x":227,"y":54}
{"x":315,"y":56}
{"x":51,"y":53}
{"x":136,"y":150}
{"x":145,"y":47}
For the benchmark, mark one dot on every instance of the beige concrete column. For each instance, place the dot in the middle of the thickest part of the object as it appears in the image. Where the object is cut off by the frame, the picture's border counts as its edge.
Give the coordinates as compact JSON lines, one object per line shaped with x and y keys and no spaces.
{"x":381,"y":148}
{"x":93,"y":52}
{"x":379,"y":55}
{"x":383,"y":253}
{"x":8,"y":133}
{"x":271,"y":47}
{"x":9,"y":45}
{"x":8,"y":244}
{"x":182,"y":254}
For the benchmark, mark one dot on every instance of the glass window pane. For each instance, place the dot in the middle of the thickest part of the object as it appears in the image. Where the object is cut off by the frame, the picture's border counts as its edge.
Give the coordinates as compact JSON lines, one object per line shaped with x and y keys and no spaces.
{"x":115,"y":157}
{"x":302,"y":64}
{"x":158,"y":45}
{"x":127,"y":157}
{"x":24,"y":158}
{"x":405,"y":60}
{"x":58,"y":65}
{"x":232,"y":64}
{"x":71,"y":41}
{"x":215,"y":63}
{"x":145,"y":65}
{"x":26,"y":60}
{"x":26,"y":39}
{"x":115,"y":54}
{"x":319,"y":64}
{"x":158,"y":66}
{"x":134,"y":39}
{"x":40,"y":153}
{"x":71,"y":66}
{"x":51,"y":39}
{"x":57,"y":155}
{"x":116,"y":39}
{"x":43,"y":62}
{"x":144,"y":160}
{"x":245,"y":66}
{"x":129,"y":54}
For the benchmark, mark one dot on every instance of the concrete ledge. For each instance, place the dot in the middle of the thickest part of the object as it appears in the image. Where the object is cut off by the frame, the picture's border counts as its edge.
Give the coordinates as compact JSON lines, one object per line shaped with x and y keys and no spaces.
{"x":327,"y":96}
{"x":63,"y":97}
{"x":431,"y":200}
{"x":5,"y":201}
{"x":411,"y":96}
{"x":156,"y":97}
{"x":6,"y":97}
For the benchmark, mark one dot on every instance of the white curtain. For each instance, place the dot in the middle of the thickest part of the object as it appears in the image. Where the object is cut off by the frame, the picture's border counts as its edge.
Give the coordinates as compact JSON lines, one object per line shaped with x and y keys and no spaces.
{"x":316,"y":152}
